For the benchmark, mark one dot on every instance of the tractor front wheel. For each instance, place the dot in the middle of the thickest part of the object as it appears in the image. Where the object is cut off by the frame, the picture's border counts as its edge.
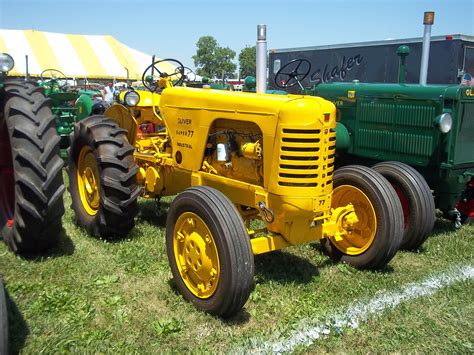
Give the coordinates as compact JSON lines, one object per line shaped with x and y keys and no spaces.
{"x":373,"y":241}
{"x":209,"y":251}
{"x":416,"y":199}
{"x":102,"y":177}
{"x":31,"y":181}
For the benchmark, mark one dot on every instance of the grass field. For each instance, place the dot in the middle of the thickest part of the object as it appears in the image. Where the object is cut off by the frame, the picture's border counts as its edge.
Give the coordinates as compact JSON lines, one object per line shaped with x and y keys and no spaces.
{"x":88,"y":295}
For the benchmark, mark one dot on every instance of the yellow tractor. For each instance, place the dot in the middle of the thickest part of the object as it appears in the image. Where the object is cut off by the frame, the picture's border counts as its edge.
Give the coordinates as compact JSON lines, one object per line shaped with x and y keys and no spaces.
{"x":231,"y":158}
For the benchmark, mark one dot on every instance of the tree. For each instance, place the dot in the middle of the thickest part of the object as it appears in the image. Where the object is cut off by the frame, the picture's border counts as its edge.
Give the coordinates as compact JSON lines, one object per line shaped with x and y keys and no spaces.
{"x":212,"y":60}
{"x":247,"y":61}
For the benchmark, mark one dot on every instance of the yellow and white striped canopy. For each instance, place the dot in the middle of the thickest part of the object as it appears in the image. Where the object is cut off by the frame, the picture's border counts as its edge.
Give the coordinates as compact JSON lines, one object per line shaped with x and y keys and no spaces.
{"x":77,"y":56}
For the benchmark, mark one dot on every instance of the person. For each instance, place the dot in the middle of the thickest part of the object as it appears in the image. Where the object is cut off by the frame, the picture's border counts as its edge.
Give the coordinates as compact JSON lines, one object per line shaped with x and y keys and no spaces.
{"x":109,"y":93}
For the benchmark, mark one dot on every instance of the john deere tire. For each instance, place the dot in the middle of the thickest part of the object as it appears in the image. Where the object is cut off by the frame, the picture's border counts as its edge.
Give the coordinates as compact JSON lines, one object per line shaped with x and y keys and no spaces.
{"x":31,"y":181}
{"x":209,"y":251}
{"x":102,"y":178}
{"x":3,"y":321}
{"x":377,"y":235}
{"x":416,"y":199}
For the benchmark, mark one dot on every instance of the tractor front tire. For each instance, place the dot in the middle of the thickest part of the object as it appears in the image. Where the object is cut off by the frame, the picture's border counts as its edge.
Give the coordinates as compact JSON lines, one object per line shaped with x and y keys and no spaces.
{"x":209,"y":251}
{"x":416,"y":198}
{"x":375,"y":238}
{"x":31,"y":181}
{"x":102,"y":178}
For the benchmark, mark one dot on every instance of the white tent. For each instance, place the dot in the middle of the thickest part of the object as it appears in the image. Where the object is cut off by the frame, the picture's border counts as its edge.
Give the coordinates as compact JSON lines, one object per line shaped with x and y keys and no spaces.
{"x":79,"y":56}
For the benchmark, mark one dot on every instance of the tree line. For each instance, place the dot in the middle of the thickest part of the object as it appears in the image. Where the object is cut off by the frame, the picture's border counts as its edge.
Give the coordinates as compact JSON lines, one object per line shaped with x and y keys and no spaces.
{"x":214,"y":61}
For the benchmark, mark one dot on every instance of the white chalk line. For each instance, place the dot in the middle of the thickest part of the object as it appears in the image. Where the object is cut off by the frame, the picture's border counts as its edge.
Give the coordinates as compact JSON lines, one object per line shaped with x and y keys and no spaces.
{"x":308,"y":331}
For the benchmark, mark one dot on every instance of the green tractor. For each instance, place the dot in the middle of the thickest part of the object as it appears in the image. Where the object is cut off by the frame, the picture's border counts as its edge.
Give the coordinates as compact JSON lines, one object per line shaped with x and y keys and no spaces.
{"x":69,"y":104}
{"x":417,"y":135}
{"x":31,"y":180}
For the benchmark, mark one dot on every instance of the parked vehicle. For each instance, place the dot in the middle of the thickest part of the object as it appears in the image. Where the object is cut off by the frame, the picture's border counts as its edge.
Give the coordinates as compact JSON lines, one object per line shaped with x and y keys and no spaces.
{"x":232,"y":158}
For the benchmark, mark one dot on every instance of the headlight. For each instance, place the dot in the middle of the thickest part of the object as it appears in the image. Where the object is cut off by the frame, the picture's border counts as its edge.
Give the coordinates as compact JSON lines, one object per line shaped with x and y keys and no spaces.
{"x":6,"y":62}
{"x":444,"y":122}
{"x":131,"y":98}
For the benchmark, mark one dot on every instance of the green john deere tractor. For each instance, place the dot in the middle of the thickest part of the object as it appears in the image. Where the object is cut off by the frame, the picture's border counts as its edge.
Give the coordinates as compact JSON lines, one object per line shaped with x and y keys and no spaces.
{"x":417,"y":135}
{"x":31,"y":180}
{"x":69,"y":104}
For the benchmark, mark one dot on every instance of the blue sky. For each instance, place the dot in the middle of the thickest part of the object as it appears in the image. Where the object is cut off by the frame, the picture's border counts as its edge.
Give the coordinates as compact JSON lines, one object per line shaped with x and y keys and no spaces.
{"x":171,"y":28}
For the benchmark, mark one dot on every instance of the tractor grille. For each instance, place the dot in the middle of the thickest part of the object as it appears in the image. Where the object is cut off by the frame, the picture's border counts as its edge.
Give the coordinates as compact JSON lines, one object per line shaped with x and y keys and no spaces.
{"x":306,"y":157}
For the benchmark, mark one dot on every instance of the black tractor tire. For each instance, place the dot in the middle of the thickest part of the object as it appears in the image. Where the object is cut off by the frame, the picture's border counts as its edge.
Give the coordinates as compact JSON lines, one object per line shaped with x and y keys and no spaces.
{"x":228,"y":243}
{"x":99,"y":147}
{"x":3,"y":321}
{"x":386,"y":229}
{"x":31,"y":195}
{"x":417,"y":201}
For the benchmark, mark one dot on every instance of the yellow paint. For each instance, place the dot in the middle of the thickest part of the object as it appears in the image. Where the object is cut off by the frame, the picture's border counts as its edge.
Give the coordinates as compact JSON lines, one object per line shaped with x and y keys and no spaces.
{"x":469,"y":92}
{"x":282,"y":155}
{"x":361,"y":228}
{"x":196,"y":255}
{"x":351,"y":94}
{"x":88,"y":181}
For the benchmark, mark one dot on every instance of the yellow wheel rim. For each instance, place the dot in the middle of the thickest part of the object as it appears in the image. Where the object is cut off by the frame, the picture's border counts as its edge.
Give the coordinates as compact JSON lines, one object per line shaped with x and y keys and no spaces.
{"x":88,"y":181}
{"x":196,"y":255}
{"x":362,"y":233}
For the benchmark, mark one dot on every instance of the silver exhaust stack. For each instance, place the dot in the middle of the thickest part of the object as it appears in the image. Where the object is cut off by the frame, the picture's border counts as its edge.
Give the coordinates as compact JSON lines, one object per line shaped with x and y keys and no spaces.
{"x":428,"y":20}
{"x":261,"y":59}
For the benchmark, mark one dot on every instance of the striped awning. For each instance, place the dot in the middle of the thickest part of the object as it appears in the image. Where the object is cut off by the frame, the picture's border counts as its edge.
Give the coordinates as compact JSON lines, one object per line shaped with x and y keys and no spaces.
{"x":77,"y":56}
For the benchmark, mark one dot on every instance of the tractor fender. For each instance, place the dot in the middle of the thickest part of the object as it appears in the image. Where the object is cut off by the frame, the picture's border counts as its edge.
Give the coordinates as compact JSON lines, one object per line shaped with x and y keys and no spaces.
{"x":125,"y":120}
{"x":83,"y":105}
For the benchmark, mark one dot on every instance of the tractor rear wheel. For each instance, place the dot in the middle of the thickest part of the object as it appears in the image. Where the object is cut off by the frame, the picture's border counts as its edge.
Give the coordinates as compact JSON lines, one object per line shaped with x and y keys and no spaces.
{"x":209,"y":251}
{"x":102,"y":177}
{"x":3,"y":321}
{"x":416,"y":199}
{"x":376,"y":237}
{"x":31,"y":181}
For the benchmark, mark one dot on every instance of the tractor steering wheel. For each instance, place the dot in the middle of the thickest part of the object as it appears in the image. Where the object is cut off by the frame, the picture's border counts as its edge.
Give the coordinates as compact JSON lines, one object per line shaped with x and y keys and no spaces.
{"x":55,"y":75}
{"x":189,"y":74}
{"x":148,"y":77}
{"x":292,"y":73}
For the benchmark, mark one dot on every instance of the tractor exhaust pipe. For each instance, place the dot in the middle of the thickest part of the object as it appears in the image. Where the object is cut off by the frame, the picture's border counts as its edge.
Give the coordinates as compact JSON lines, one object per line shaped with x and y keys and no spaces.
{"x":402,"y":51}
{"x":428,"y":20}
{"x":261,"y":59}
{"x":27,"y":74}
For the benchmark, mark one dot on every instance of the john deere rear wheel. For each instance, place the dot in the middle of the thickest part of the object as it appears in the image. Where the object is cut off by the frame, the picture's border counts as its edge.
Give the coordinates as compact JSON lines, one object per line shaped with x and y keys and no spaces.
{"x":416,"y":199}
{"x":102,"y":177}
{"x":209,"y":251}
{"x":31,"y":182}
{"x":376,"y":237}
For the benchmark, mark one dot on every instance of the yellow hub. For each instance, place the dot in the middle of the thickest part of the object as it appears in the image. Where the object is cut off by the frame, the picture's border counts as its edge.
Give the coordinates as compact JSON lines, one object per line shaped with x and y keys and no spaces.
{"x":88,"y":181}
{"x":362,"y":227}
{"x":196,"y":255}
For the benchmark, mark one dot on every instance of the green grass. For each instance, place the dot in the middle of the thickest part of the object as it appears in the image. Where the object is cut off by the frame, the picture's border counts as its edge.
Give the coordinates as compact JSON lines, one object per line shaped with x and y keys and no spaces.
{"x":88,"y":295}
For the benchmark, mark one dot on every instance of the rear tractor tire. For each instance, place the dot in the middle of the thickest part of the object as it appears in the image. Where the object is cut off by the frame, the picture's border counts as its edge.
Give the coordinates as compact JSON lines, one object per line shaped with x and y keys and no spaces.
{"x":31,"y":181}
{"x":209,"y":251}
{"x":416,"y":198}
{"x":375,"y":239}
{"x":102,"y":178}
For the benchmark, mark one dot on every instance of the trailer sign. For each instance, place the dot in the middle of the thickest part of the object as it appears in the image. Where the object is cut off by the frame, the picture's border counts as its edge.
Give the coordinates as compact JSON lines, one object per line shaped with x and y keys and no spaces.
{"x":338,"y":71}
{"x":376,"y":62}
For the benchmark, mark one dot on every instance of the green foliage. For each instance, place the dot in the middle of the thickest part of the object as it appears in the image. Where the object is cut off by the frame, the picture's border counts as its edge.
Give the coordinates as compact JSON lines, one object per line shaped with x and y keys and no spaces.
{"x":211,"y":60}
{"x":247,"y":61}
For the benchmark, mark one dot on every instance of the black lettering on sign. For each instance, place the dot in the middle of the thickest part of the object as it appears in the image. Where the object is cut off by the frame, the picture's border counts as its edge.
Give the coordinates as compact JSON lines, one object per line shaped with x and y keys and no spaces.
{"x":185,"y":132}
{"x":186,"y":121}
{"x":337,"y":71}
{"x":184,"y":145}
